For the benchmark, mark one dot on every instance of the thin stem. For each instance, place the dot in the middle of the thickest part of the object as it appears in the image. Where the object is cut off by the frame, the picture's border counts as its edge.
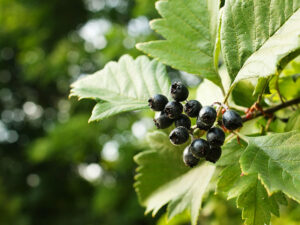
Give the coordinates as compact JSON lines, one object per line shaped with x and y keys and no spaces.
{"x":278,"y":90}
{"x":224,"y":101}
{"x":263,"y":91}
{"x":273,"y":109}
{"x":243,"y":137}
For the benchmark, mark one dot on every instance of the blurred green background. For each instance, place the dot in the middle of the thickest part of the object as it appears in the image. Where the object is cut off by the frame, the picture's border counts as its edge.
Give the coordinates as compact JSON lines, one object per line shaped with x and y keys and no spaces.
{"x":55,"y":168}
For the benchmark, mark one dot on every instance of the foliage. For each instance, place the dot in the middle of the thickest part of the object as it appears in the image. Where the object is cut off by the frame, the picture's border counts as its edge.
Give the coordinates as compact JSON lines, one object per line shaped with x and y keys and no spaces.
{"x":42,"y":51}
{"x":243,"y":51}
{"x":257,"y":39}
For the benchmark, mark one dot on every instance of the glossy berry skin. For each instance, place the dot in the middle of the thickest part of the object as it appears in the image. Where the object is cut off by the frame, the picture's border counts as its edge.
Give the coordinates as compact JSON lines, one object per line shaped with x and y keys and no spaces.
{"x":188,"y":158}
{"x":192,"y":108}
{"x":183,"y":121}
{"x":179,"y":92}
{"x":173,"y":109}
{"x":163,"y":121}
{"x":179,"y":135}
{"x":214,"y":154}
{"x":207,"y":115}
{"x":158,"y":102}
{"x":199,"y":148}
{"x":215,"y":137}
{"x":232,"y":120}
{"x":202,"y":126}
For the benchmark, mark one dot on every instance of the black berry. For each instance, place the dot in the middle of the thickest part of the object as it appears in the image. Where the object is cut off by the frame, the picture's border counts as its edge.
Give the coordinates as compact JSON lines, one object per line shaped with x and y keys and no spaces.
{"x":202,"y":126}
{"x":179,"y":135}
{"x":183,"y":121}
{"x":207,"y":115}
{"x":232,"y":120}
{"x":192,"y":108}
{"x":158,"y":102}
{"x":163,"y":121}
{"x":179,"y":92}
{"x":215,"y":137}
{"x":199,"y":148}
{"x":188,"y":158}
{"x":214,"y":154}
{"x":173,"y":109}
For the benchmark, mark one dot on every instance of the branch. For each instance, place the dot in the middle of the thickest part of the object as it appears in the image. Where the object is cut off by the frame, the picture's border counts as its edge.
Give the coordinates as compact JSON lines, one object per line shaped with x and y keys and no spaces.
{"x":273,"y":109}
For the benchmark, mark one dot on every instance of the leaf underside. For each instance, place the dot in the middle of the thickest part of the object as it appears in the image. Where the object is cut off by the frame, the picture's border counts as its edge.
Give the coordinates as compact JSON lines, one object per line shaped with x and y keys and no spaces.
{"x":123,"y":86}
{"x":256,"y":35}
{"x":163,"y":179}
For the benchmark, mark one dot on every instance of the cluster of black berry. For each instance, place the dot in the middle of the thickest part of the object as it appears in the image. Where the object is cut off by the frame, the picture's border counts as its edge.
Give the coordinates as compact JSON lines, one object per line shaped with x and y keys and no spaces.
{"x":172,"y":111}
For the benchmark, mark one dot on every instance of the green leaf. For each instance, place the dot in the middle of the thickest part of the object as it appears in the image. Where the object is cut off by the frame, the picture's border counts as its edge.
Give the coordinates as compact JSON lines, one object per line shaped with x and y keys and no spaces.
{"x":256,"y":204}
{"x":260,"y":86}
{"x":163,"y":178}
{"x":256,"y":35}
{"x":287,"y":85}
{"x":294,"y":122}
{"x":190,"y":28}
{"x":242,"y":94}
{"x":251,"y":195}
{"x":275,"y":158}
{"x":231,"y":152}
{"x":124,"y":86}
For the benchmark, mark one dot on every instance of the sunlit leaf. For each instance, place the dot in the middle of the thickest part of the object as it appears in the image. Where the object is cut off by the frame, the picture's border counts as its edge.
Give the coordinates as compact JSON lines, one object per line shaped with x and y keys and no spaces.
{"x":190,"y":28}
{"x":275,"y":158}
{"x":163,"y":178}
{"x":124,"y":86}
{"x":256,"y":35}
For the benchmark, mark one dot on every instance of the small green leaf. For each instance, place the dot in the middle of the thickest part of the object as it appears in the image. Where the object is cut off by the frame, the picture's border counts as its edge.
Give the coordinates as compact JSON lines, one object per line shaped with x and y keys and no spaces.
{"x":294,"y":122}
{"x":163,"y":178}
{"x":123,"y":86}
{"x":256,"y":35}
{"x":242,"y":94}
{"x":287,"y":85}
{"x":275,"y":158}
{"x":191,"y":31}
{"x":260,"y":86}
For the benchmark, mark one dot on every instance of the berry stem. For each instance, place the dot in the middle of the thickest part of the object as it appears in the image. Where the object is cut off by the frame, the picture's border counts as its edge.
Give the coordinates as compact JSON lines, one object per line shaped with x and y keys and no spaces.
{"x":272,"y":109}
{"x":241,"y":136}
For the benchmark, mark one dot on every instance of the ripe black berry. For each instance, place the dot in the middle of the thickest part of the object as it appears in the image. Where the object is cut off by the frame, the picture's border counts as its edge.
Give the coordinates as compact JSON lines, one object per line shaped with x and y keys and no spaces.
{"x":202,"y":126}
{"x":163,"y":121}
{"x":173,"y":109}
{"x":188,"y":158}
{"x":179,"y":135}
{"x":199,"y":148}
{"x":215,"y":137}
{"x":179,"y":92}
{"x":207,"y":115}
{"x":214,"y":154}
{"x":192,"y":108}
{"x":183,"y":121}
{"x":232,"y":120}
{"x":158,"y":102}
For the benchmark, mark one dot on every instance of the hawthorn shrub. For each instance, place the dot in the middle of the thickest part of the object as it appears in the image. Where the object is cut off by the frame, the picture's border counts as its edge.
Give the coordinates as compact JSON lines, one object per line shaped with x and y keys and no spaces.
{"x":258,"y":83}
